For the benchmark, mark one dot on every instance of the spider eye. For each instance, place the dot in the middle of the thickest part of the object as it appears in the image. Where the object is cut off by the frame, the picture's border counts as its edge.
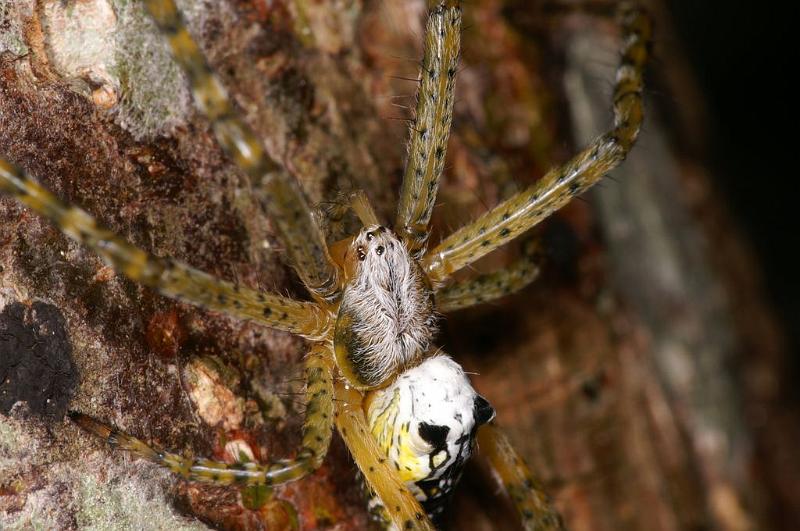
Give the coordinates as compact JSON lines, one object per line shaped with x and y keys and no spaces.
{"x":360,"y":253}
{"x":370,"y":236}
{"x":379,"y":250}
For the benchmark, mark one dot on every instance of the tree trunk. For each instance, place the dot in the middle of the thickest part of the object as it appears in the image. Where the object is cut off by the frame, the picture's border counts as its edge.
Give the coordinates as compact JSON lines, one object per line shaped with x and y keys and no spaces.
{"x":635,"y":376}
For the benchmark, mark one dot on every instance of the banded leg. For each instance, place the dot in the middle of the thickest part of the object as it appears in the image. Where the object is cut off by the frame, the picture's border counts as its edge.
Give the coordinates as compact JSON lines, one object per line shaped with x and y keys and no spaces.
{"x":428,"y":135}
{"x":316,"y":439}
{"x":524,"y":210}
{"x":171,"y":278}
{"x":285,"y":201}
{"x":527,"y":494}
{"x":491,"y":286}
{"x":404,"y":510}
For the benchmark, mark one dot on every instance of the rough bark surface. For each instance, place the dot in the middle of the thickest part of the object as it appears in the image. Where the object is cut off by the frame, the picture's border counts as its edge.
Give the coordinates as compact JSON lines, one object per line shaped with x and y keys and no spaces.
{"x":640,"y":376}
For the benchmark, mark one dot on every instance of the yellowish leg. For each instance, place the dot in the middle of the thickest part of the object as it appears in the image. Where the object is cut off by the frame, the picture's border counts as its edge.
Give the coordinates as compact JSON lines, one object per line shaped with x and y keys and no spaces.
{"x":168,"y":276}
{"x":429,"y":132}
{"x":316,"y":439}
{"x":491,"y":286}
{"x":403,"y":509}
{"x":528,"y":496}
{"x":357,"y":201}
{"x":285,"y":201}
{"x":524,"y":210}
{"x":360,"y":204}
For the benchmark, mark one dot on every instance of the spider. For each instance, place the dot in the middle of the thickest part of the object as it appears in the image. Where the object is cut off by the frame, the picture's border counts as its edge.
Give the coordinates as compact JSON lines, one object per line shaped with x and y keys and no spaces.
{"x":406,"y":411}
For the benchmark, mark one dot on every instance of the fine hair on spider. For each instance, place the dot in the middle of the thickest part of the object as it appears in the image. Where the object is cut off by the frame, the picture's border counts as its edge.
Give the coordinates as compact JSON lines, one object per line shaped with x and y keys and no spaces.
{"x":405,"y":410}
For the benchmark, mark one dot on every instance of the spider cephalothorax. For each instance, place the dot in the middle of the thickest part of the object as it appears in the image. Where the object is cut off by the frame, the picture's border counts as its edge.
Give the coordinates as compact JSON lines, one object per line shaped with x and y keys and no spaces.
{"x":386,"y":320}
{"x":409,"y":417}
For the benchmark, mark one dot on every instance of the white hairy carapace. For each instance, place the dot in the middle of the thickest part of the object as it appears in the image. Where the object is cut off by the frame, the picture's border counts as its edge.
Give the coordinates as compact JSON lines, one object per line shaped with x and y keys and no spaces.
{"x":386,"y":320}
{"x":425,"y":422}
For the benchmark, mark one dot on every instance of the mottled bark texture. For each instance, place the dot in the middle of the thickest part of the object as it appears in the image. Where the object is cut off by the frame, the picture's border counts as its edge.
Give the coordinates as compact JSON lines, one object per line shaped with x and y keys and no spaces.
{"x":641,"y":376}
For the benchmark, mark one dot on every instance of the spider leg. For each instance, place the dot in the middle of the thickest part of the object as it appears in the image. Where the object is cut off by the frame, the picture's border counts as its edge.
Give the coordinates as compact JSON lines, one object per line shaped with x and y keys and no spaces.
{"x":338,"y":226}
{"x":317,"y":431}
{"x":285,"y":200}
{"x":429,"y":132}
{"x":527,"y":495}
{"x":490,"y":286}
{"x":356,"y":201}
{"x":360,"y":204}
{"x":171,"y":278}
{"x":404,"y":510}
{"x":522,"y":211}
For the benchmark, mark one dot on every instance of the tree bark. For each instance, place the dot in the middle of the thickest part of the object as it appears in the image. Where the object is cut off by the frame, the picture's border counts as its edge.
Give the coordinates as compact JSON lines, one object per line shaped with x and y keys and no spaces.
{"x":640,"y":376}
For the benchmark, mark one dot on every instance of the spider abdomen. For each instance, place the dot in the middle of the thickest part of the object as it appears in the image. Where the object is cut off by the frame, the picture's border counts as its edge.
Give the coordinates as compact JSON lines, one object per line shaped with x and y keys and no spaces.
{"x":426,"y":422}
{"x":386,"y":318}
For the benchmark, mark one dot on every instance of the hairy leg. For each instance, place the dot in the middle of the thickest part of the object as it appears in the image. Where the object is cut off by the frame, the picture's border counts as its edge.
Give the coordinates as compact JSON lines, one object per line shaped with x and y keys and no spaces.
{"x":404,"y":511}
{"x":171,"y":278}
{"x":491,"y":286}
{"x":524,"y":210}
{"x":316,"y":439}
{"x":285,"y":201}
{"x":431,"y":128}
{"x":334,"y":212}
{"x":528,"y":496}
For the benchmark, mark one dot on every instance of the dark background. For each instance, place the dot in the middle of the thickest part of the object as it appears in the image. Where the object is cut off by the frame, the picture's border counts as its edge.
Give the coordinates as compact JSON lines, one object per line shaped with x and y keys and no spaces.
{"x":743,"y":60}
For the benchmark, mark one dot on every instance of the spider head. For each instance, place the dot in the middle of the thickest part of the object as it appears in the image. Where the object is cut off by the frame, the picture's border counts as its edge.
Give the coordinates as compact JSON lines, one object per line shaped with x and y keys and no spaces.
{"x":386,"y":320}
{"x":376,"y":243}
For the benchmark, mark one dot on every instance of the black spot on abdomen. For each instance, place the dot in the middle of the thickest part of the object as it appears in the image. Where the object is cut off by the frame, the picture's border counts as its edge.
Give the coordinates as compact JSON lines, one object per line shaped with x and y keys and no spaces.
{"x":36,"y":364}
{"x":434,"y":435}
